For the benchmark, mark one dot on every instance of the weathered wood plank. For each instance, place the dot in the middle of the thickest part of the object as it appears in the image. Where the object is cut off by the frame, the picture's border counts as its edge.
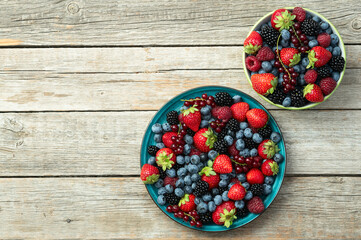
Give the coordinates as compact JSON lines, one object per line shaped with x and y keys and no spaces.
{"x":148,"y":22}
{"x":318,"y":142}
{"x":133,"y":78}
{"x":306,"y":208}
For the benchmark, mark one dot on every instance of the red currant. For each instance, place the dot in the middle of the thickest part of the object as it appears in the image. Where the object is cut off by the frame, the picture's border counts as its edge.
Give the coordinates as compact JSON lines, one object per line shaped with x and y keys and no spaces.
{"x":291,"y":30}
{"x":245,"y":169}
{"x":202,"y":103}
{"x":277,"y":64}
{"x":280,"y":69}
{"x":211,"y":98}
{"x":198,"y":224}
{"x":213,"y":104}
{"x":297,"y":25}
{"x":169,"y":208}
{"x":174,"y":128}
{"x":298,"y":32}
{"x":291,"y":70}
{"x":185,"y":218}
{"x":209,"y":102}
{"x":218,"y":130}
{"x":204,"y":96}
{"x":192,"y":222}
{"x":239,"y":169}
{"x":187,"y":104}
{"x":213,"y":124}
{"x":303,"y":37}
{"x":180,"y":214}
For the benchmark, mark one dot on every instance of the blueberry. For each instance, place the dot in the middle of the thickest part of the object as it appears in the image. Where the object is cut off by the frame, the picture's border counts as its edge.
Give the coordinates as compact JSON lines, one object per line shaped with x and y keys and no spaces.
{"x":195,"y":159}
{"x":231,"y":184}
{"x":269,"y":180}
{"x":328,"y":30}
{"x":151,"y":160}
{"x":272,"y":62}
{"x":305,"y":61}
{"x":303,"y":69}
{"x":180,"y":159}
{"x":308,"y":15}
{"x":248,"y":196}
{"x":280,"y":79}
{"x":187,"y":149}
{"x":232,"y":174}
{"x":215,"y":191}
{"x":237,"y":99}
{"x":159,"y":183}
{"x":229,"y":140}
{"x":166,"y":127}
{"x":223,"y":183}
{"x":179,"y":192}
{"x":193,"y":168}
{"x":179,"y":183}
{"x":183,"y":108}
{"x":267,"y":189}
{"x":266,"y":66}
{"x":313,"y":43}
{"x":171,"y":173}
{"x":285,"y":43}
{"x":310,"y":38}
{"x":207,"y":117}
{"x":195,"y":177}
{"x":188,"y":139}
{"x":225,"y":196}
{"x":269,"y":24}
{"x":240,"y":145}
{"x":211,"y":120}
{"x":324,"y":25}
{"x":243,"y":125}
{"x":188,"y":180}
{"x":246,"y":185}
{"x":207,"y":197}
{"x":297,"y":68}
{"x":169,"y":188}
{"x":244,"y":152}
{"x":162,"y":191}
{"x":279,"y":48}
{"x":286,"y":35}
{"x":204,"y":124}
{"x":257,"y":138}
{"x":336,"y":76}
{"x":239,"y":204}
{"x":241,"y":177}
{"x":194,"y":185}
{"x":278,"y":158}
{"x":292,"y":45}
{"x":188,"y":189}
{"x":261,"y":71}
{"x":206,"y":110}
{"x":239,"y":134}
{"x":286,"y":102}
{"x":329,"y":48}
{"x":157,"y":128}
{"x":202,"y":207}
{"x":275,"y":136}
{"x":253,"y":152}
{"x":252,"y":73}
{"x":248,"y":133}
{"x":211,"y":206}
{"x":160,"y":145}
{"x":218,"y":200}
{"x":203,"y":157}
{"x":275,"y":72}
{"x":161,"y":200}
{"x":200,"y":166}
{"x":231,"y":133}
{"x":158,"y":138}
{"x":316,"y":19}
{"x":187,"y":159}
{"x":224,"y":176}
{"x":197,"y":200}
{"x":212,"y":154}
{"x":336,"y":51}
{"x":334,"y":39}
{"x":301,"y":79}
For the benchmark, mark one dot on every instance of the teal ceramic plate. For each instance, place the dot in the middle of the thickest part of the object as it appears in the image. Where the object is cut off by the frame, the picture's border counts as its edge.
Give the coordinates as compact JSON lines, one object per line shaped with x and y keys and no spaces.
{"x":175,"y":104}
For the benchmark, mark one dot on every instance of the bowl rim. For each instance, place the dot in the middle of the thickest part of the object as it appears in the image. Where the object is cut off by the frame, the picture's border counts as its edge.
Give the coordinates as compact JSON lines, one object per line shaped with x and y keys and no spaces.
{"x":342,"y":73}
{"x":285,"y":157}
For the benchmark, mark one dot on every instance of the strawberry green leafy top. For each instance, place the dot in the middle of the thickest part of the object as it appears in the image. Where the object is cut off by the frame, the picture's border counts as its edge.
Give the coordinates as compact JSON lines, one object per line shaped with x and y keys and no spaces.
{"x":190,"y":110}
{"x":211,"y":137}
{"x":164,"y":160}
{"x":312,"y":58}
{"x":208,"y":170}
{"x":285,"y":20}
{"x":227,"y":217}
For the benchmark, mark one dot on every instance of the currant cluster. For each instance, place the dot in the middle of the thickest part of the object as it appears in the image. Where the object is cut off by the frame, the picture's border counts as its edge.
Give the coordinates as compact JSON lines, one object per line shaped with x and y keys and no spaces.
{"x":298,"y":38}
{"x":243,"y":165}
{"x":192,"y":216}
{"x":200,"y":101}
{"x":218,"y":125}
{"x":178,"y":142}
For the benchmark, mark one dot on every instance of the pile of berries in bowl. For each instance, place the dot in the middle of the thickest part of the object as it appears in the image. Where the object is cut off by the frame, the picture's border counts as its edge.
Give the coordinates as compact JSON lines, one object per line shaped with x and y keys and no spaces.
{"x":213,"y":159}
{"x":294,"y":58}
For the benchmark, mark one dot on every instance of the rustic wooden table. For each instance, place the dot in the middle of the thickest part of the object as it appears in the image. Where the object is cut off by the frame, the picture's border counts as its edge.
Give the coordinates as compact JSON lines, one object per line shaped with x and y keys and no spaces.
{"x":80,"y":80}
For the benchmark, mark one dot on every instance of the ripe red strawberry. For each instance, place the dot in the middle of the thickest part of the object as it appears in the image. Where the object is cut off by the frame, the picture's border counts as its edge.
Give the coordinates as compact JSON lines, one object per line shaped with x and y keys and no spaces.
{"x":236,"y":192}
{"x":225,"y":214}
{"x":192,"y":118}
{"x":327,"y":85}
{"x":222,"y":164}
{"x":169,"y":180}
{"x":255,"y":176}
{"x":255,"y":205}
{"x":264,"y":83}
{"x":265,"y":54}
{"x":253,"y":43}
{"x":204,"y":139}
{"x":313,"y":93}
{"x":252,"y":63}
{"x":282,"y":19}
{"x":300,"y":14}
{"x":222,"y":113}
{"x":165,"y":158}
{"x":232,"y":150}
{"x":267,"y":149}
{"x":290,"y":56}
{"x":210,"y":176}
{"x":269,"y":168}
{"x":167,"y":138}
{"x":239,"y":111}
{"x":186,"y":204}
{"x":324,"y":40}
{"x":318,"y":57}
{"x":311,"y":76}
{"x":149,"y":174}
{"x":257,"y":118}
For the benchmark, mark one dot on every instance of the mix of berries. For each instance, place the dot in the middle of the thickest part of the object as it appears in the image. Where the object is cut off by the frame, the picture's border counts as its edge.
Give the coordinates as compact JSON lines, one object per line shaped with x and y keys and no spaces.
{"x":214,"y":161}
{"x":294,"y":59}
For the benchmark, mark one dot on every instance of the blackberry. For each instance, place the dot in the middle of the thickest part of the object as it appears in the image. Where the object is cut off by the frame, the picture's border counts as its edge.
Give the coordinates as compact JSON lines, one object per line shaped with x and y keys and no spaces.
{"x":269,"y":35}
{"x":222,"y":134}
{"x":256,"y":189}
{"x":323,"y":72}
{"x":201,"y":188}
{"x":265,"y":132}
{"x":172,"y":117}
{"x":176,"y":166}
{"x":241,"y":213}
{"x":222,"y":190}
{"x":249,"y":143}
{"x":310,"y":27}
{"x":297,"y":99}
{"x":220,"y":146}
{"x":171,"y":198}
{"x":190,"y":132}
{"x":223,"y":99}
{"x":206,"y":217}
{"x":277,"y":96}
{"x":162,"y":174}
{"x":233,"y":125}
{"x":337,"y":63}
{"x":152,"y":150}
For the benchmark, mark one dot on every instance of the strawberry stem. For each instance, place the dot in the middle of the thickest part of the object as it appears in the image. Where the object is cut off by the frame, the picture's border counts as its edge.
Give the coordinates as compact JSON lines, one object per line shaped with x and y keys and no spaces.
{"x":278,"y":54}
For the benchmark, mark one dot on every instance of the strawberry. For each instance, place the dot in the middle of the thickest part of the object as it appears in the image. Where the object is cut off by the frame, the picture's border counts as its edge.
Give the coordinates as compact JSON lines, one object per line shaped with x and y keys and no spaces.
{"x":222,"y":113}
{"x":282,"y":19}
{"x":324,"y":40}
{"x":204,"y":139}
{"x":169,"y":180}
{"x":269,"y":168}
{"x":255,"y":176}
{"x":210,"y":176}
{"x":192,"y":118}
{"x":290,"y":56}
{"x":264,"y":83}
{"x":265,"y":54}
{"x":222,"y":164}
{"x":225,"y":214}
{"x":239,"y":111}
{"x":255,"y":205}
{"x":232,"y":150}
{"x":165,"y":158}
{"x":313,"y":93}
{"x":267,"y":149}
{"x":257,"y":118}
{"x":327,"y":85}
{"x":186,"y":204}
{"x":236,"y":192}
{"x":149,"y":174}
{"x":167,"y":138}
{"x":311,"y":76}
{"x":300,"y":14}
{"x":318,"y":56}
{"x":253,"y":43}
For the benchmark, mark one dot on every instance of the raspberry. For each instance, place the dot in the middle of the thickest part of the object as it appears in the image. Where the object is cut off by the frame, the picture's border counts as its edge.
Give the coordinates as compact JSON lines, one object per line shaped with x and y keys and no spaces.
{"x":253,"y":64}
{"x":300,"y":14}
{"x":310,"y":76}
{"x":265,"y":54}
{"x":169,"y":180}
{"x":222,"y":113}
{"x":327,"y":85}
{"x":324,"y":40}
{"x":255,"y":205}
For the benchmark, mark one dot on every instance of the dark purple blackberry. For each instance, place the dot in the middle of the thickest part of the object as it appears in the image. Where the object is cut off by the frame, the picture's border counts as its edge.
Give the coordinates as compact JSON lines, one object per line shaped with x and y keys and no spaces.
{"x":220,"y":146}
{"x":190,"y":132}
{"x":201,"y":188}
{"x":206,"y":217}
{"x":222,"y":190}
{"x":249,"y":143}
{"x":265,"y":132}
{"x":152,"y":150}
{"x":241,"y":213}
{"x":310,"y":27}
{"x":172,"y":117}
{"x":256,"y":189}
{"x":337,"y":63}
{"x":269,"y":35}
{"x":223,"y":99}
{"x":233,"y":125}
{"x":171,"y":198}
{"x":222,"y":134}
{"x":162,"y":174}
{"x":297,"y":99}
{"x":323,"y":72}
{"x":277,"y":96}
{"x":177,"y":166}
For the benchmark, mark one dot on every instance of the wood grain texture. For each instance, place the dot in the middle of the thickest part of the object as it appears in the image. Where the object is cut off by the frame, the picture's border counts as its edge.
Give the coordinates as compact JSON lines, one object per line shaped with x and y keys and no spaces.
{"x":104,"y":208}
{"x":131,"y":78}
{"x":46,"y":144}
{"x":147,"y":22}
